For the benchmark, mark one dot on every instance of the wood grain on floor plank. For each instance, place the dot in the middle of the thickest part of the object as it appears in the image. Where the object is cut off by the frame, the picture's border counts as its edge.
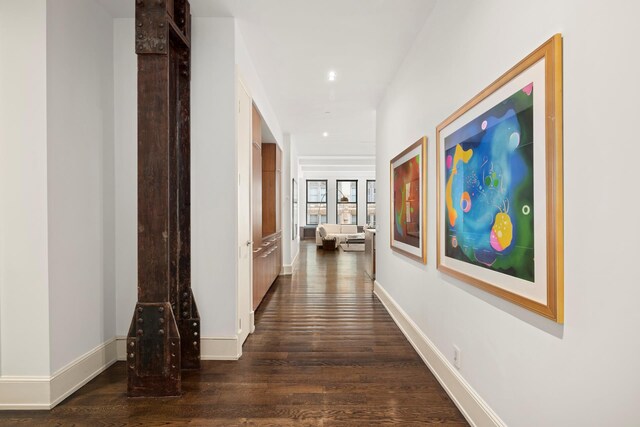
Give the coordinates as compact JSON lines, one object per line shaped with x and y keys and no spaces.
{"x":325,"y":353}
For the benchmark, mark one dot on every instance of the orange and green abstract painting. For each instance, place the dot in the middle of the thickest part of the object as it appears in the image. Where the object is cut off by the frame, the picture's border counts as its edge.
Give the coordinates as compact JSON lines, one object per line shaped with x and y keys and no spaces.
{"x":406,"y":202}
{"x":489,"y":189}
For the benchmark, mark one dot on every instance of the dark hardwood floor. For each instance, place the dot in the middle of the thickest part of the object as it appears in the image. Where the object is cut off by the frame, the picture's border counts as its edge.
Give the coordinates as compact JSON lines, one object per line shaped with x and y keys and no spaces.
{"x":325,"y":353}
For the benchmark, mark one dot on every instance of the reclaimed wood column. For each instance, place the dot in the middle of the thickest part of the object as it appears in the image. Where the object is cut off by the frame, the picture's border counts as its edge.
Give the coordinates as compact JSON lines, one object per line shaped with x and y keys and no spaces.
{"x":164,"y":336}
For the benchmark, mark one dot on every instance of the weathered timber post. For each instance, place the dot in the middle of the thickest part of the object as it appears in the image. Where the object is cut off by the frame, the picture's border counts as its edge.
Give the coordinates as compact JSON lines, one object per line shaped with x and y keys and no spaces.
{"x":164,"y":336}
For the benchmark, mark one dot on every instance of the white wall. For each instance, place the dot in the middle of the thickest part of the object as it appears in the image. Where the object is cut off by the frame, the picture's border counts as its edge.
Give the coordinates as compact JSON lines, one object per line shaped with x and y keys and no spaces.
{"x":289,"y":172}
{"x":531,"y":371}
{"x":57,"y":297}
{"x":216,"y":51}
{"x":24,"y":295}
{"x":214,"y":175}
{"x":252,"y":80}
{"x":125,"y":66}
{"x":213,"y":168}
{"x":80,"y":178}
{"x":331,"y":177}
{"x":294,"y":170}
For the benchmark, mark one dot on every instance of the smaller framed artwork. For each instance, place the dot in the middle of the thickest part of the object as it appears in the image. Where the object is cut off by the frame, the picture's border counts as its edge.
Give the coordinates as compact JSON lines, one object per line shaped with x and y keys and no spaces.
{"x":294,"y":209}
{"x":408,"y":201}
{"x":499,"y":186}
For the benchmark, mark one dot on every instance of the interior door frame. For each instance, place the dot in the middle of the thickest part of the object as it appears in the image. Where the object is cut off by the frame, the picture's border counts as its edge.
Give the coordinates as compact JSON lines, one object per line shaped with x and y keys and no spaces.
{"x":240,"y":85}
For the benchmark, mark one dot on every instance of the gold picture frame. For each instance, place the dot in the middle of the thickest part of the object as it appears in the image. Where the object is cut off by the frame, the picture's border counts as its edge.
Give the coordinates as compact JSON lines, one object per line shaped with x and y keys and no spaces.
{"x":408,"y":231}
{"x":499,"y":170}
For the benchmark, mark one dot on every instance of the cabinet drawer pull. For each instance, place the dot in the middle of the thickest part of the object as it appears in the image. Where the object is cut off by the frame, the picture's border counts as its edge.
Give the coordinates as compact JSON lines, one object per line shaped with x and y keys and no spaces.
{"x":255,"y":251}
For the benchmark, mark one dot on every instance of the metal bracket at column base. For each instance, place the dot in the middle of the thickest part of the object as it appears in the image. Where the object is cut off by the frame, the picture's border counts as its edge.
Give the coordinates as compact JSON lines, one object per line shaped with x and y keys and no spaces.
{"x":153,"y":352}
{"x":189,"y":327}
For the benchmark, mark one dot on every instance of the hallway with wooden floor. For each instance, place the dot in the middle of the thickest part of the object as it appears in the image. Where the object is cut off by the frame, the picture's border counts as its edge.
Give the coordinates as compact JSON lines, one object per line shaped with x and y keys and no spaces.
{"x":324,"y":353}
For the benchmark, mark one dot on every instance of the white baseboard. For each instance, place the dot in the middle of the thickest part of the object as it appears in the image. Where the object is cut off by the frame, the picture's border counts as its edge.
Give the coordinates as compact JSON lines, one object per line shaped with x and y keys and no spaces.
{"x":121,"y":348}
{"x":473,"y":407}
{"x":287,"y":269}
{"x":79,"y":372}
{"x":24,"y":393}
{"x":219,"y":348}
{"x":211,"y":348}
{"x":47,"y":392}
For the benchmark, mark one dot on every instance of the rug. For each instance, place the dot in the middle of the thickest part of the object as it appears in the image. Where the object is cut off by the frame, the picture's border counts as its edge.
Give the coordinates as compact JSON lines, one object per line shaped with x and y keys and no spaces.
{"x":353,"y":247}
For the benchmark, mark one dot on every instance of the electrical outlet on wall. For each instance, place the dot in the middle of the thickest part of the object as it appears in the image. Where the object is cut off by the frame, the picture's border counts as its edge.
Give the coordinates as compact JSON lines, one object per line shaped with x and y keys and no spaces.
{"x":456,"y":357}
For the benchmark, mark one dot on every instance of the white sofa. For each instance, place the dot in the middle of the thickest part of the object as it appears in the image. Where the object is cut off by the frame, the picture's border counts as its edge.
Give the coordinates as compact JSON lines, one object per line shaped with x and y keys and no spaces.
{"x":337,"y":231}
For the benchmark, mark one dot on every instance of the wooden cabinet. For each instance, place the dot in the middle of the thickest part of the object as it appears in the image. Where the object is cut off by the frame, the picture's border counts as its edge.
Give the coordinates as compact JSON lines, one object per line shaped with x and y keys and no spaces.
{"x":267,"y":263}
{"x":370,"y":252}
{"x":266,"y":215}
{"x":271,"y":189}
{"x":256,"y":126}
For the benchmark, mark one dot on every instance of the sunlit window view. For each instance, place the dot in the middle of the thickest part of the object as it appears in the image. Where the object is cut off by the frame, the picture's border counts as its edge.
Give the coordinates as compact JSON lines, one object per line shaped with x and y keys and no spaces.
{"x":316,"y":202}
{"x":371,"y":203}
{"x":347,"y":202}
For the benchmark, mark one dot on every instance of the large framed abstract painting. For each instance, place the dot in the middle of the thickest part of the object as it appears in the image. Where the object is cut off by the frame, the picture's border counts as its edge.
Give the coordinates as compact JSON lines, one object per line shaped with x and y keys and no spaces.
{"x":408,"y":201}
{"x":499,"y":186}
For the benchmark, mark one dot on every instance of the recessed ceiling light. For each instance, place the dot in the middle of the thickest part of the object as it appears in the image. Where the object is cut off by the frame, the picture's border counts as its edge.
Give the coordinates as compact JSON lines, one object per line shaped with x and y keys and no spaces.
{"x":325,"y":134}
{"x":332,"y":76}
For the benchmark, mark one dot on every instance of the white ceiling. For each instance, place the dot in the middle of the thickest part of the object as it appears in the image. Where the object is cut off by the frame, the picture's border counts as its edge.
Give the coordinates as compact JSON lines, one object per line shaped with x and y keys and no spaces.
{"x":294,"y":44}
{"x":336,"y":164}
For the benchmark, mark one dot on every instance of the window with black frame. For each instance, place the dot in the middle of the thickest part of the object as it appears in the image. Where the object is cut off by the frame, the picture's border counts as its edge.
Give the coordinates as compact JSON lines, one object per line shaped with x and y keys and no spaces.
{"x":347,"y":201}
{"x":316,"y":202}
{"x":371,"y":203}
